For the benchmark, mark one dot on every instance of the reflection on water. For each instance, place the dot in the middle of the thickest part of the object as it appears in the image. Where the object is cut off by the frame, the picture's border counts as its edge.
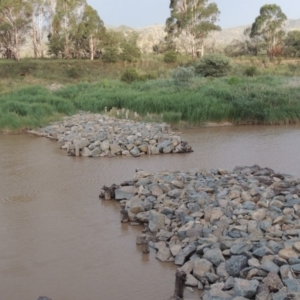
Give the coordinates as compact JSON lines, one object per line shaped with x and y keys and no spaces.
{"x":58,"y":238}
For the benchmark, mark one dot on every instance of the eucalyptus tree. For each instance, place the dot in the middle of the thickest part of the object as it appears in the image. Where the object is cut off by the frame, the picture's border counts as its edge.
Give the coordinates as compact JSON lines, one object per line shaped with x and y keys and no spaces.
{"x":292,"y":43}
{"x":14,"y":25}
{"x":67,"y":17}
{"x":268,"y":25}
{"x":192,"y":21}
{"x":245,"y":45}
{"x":90,"y":31}
{"x":41,"y":11}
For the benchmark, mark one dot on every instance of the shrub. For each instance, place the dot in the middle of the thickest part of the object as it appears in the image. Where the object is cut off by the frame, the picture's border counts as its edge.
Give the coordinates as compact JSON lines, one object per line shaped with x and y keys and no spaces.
{"x":73,"y":73}
{"x":213,"y":65}
{"x":182,"y":76}
{"x":130,"y":52}
{"x":130,"y":75}
{"x":251,"y":71}
{"x":170,"y":57}
{"x":111,"y":54}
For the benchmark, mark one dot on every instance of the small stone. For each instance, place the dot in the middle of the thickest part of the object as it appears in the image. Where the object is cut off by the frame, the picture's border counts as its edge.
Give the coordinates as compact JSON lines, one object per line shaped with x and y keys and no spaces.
{"x":263,"y":251}
{"x":270,"y":266}
{"x":262,"y":292}
{"x":273,"y":281}
{"x":287,"y":253}
{"x":297,"y":246}
{"x":259,"y":214}
{"x":191,"y":281}
{"x":163,"y":253}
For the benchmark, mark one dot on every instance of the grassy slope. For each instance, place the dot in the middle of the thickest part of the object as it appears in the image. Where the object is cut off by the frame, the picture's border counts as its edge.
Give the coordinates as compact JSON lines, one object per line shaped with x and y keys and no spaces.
{"x":25,"y":102}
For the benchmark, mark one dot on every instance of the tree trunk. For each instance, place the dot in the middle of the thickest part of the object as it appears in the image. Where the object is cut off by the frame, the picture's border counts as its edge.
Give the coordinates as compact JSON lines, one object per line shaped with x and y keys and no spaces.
{"x":16,"y":50}
{"x":91,"y":48}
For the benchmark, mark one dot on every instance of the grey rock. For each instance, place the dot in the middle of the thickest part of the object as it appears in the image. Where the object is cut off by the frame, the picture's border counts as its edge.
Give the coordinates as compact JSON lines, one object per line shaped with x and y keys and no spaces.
{"x":296,"y":268}
{"x":262,"y":292}
{"x":163,"y":253}
{"x":201,"y":268}
{"x":235,"y":264}
{"x":86,"y":152}
{"x":156,"y":221}
{"x":293,"y":285}
{"x":184,"y":254}
{"x":281,"y":295}
{"x":216,"y":294}
{"x":125,"y":192}
{"x":263,"y":251}
{"x":275,"y":247}
{"x":294,"y":261}
{"x":245,"y":288}
{"x":240,"y":248}
{"x":273,"y":281}
{"x":221,"y":271}
{"x":269,"y":266}
{"x":212,"y":277}
{"x":229,"y":283}
{"x":191,"y":281}
{"x":215,"y":256}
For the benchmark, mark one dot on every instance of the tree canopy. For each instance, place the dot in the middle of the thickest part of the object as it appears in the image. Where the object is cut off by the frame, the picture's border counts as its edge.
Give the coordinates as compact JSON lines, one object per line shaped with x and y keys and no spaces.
{"x":268,"y":25}
{"x":191,"y":21}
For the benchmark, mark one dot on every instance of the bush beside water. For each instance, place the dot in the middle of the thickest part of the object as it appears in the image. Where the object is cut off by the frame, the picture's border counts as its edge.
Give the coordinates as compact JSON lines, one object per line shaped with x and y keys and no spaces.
{"x":213,"y":65}
{"x":242,"y":100}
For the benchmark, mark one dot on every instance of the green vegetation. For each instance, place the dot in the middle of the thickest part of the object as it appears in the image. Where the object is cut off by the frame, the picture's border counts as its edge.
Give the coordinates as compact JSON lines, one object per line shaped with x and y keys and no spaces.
{"x":213,"y":65}
{"x":130,"y":75}
{"x":246,"y":100}
{"x":170,"y":57}
{"x":183,"y":76}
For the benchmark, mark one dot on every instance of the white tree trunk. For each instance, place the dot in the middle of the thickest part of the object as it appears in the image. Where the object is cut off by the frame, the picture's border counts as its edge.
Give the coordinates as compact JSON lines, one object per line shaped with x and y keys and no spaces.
{"x":92,"y":50}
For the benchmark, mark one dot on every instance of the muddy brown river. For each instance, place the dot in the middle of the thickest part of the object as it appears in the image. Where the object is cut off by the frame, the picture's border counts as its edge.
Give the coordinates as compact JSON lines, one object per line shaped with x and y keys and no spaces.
{"x":58,"y":239}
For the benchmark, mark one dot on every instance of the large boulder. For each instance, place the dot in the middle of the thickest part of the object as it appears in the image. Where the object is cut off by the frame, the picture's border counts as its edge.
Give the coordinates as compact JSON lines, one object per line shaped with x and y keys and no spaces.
{"x":156,"y":221}
{"x":201,"y":268}
{"x":235,"y":264}
{"x":124,"y":192}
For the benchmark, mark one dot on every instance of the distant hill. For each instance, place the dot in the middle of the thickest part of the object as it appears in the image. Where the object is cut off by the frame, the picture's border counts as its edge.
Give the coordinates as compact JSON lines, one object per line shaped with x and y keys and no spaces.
{"x":149,"y":36}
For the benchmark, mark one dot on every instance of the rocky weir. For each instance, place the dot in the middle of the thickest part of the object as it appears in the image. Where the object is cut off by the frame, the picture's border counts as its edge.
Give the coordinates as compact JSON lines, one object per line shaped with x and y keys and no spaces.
{"x":95,"y":135}
{"x":234,"y":235}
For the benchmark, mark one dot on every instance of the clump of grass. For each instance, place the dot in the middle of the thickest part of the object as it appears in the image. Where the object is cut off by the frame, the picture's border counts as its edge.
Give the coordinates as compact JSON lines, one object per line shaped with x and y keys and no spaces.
{"x":172,"y":117}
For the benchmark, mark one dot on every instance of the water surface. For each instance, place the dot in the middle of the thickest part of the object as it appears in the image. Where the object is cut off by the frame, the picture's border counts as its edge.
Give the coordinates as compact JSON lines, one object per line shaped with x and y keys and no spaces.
{"x":58,"y":239}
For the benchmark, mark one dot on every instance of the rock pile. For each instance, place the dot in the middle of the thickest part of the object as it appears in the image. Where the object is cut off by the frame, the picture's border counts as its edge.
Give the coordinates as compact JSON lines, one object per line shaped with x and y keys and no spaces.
{"x":235,"y":234}
{"x":95,"y":135}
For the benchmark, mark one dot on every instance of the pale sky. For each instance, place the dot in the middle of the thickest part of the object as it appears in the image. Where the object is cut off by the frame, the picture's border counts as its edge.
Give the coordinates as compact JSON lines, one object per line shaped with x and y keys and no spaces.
{"x":142,"y":13}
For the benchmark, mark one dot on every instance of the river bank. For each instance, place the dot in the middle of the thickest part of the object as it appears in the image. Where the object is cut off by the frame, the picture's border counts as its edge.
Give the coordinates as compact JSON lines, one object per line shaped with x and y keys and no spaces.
{"x":235,"y":234}
{"x":264,"y":100}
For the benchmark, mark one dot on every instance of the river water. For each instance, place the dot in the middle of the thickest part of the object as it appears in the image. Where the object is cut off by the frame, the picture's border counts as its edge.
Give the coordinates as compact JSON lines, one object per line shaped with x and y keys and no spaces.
{"x":58,"y":239}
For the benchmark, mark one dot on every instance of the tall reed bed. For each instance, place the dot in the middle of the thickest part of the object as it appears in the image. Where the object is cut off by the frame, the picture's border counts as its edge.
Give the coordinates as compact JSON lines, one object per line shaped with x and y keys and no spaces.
{"x":241,"y":100}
